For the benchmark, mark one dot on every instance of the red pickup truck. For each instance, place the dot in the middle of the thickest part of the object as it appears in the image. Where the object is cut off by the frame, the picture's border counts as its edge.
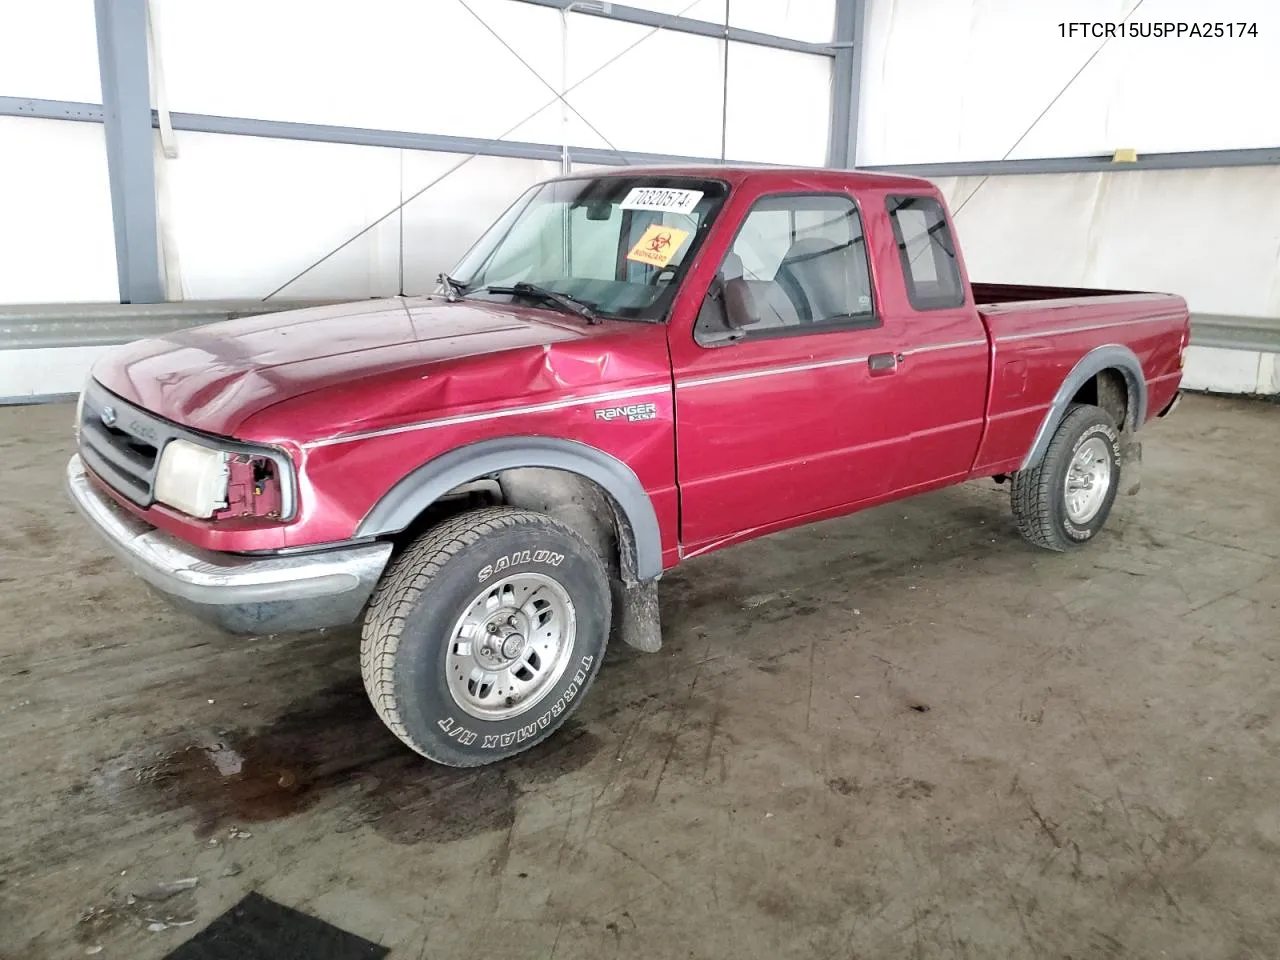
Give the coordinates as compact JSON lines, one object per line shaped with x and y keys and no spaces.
{"x":629,"y":369}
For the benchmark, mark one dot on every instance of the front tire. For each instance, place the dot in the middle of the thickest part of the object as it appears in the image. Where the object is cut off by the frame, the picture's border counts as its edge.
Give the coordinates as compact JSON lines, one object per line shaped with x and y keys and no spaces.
{"x":484,"y":635}
{"x":1061,"y":503}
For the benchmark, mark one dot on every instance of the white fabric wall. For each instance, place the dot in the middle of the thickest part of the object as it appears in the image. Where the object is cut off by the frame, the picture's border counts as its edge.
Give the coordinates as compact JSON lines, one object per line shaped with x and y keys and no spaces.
{"x":954,"y":80}
{"x":56,"y":238}
{"x":247,"y":213}
{"x":1212,"y":236}
{"x":962,"y":79}
{"x":55,"y":204}
{"x":49,"y":50}
{"x":242,"y":215}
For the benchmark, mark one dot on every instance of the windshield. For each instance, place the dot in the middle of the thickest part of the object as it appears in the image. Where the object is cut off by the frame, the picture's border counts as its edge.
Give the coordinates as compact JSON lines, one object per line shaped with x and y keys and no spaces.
{"x":618,"y":244}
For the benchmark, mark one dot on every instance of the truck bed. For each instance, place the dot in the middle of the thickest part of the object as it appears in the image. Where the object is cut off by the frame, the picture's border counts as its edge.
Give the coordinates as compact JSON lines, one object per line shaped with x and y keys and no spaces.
{"x":1000,"y":293}
{"x":1037,"y":336}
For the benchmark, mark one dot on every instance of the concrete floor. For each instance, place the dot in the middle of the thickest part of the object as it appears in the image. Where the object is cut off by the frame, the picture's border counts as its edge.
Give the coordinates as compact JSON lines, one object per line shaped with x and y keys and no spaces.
{"x":904,"y":734}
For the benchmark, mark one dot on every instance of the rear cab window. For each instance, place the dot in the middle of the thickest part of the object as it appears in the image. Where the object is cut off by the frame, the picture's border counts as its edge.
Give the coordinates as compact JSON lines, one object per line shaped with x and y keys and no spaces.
{"x":927,"y":252}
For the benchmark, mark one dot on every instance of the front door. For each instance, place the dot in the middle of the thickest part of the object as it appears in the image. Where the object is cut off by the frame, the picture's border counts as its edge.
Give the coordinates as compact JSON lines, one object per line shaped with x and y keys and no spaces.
{"x":787,"y":388}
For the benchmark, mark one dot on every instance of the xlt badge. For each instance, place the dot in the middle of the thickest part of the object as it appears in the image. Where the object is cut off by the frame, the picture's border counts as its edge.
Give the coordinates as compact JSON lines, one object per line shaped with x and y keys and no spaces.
{"x":632,"y":412}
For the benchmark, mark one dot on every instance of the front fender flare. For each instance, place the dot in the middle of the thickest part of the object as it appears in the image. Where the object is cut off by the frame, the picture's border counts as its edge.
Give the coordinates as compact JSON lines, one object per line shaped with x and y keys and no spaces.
{"x":1112,"y":356}
{"x":415,"y":492}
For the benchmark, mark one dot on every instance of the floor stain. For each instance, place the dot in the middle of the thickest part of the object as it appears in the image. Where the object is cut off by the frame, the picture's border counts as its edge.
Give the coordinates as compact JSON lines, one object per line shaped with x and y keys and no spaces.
{"x":327,"y":745}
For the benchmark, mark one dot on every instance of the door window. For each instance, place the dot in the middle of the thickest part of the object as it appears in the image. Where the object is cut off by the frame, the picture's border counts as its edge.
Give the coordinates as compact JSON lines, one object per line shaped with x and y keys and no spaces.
{"x":797,"y":265}
{"x":927,"y":253}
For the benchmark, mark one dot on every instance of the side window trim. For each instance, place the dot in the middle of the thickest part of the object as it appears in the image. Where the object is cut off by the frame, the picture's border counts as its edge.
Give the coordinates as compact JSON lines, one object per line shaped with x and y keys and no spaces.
{"x":842,"y":323}
{"x":939,"y":236}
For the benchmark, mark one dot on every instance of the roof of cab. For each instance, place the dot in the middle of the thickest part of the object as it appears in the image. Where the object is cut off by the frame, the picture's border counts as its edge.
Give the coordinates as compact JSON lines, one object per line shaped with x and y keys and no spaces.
{"x":776,"y":177}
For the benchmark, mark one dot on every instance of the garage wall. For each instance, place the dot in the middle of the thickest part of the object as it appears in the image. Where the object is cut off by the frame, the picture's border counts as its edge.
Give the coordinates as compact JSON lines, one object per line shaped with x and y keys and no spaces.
{"x":56,"y":240}
{"x":1212,"y":236}
{"x":948,"y":80}
{"x":241,"y":215}
{"x":55,"y":201}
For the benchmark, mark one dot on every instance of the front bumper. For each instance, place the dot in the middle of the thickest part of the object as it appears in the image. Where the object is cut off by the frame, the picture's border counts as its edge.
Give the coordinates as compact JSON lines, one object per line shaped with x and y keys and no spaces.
{"x":240,"y":594}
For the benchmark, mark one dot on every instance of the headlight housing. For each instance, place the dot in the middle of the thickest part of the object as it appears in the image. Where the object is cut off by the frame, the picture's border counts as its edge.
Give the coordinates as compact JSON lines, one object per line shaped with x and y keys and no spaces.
{"x":192,"y":478}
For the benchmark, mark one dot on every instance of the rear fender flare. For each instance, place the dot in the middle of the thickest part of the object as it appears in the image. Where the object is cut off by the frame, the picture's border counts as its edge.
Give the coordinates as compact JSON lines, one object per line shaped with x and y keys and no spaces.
{"x":1112,"y":356}
{"x":405,"y":501}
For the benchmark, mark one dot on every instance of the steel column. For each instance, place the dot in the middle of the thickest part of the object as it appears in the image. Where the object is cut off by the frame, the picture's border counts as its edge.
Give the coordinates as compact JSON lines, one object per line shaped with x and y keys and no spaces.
{"x":126,"y":114}
{"x":846,"y":84}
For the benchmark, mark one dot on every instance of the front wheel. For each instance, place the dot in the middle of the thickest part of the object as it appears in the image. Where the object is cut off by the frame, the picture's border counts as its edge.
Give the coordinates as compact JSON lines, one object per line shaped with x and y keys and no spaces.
{"x":1064,"y":501}
{"x":484,"y":635}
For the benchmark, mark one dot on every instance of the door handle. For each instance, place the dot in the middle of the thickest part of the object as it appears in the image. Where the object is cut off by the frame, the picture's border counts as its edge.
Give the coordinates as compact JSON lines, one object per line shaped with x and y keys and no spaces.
{"x":882,"y":363}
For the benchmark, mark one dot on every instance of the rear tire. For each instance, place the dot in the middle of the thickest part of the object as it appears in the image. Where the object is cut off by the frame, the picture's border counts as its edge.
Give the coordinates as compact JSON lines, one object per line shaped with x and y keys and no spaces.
{"x":1061,"y":503}
{"x":484,"y":635}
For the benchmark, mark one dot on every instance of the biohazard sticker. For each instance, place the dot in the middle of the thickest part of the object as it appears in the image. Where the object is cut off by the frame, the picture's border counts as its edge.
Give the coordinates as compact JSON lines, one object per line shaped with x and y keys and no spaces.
{"x":658,"y":245}
{"x":661,"y":199}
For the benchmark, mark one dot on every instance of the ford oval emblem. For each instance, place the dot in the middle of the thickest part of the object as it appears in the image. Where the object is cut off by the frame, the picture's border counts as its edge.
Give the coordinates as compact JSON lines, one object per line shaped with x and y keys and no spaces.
{"x":109,"y":415}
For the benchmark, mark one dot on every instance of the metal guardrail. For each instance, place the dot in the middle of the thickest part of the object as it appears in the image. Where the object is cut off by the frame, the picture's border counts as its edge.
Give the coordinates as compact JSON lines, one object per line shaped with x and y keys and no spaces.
{"x":1235,"y":333}
{"x":42,"y":326}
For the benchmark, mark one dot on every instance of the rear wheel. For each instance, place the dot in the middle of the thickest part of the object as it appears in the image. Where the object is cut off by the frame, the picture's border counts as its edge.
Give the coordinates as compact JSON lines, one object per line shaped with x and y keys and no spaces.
{"x":1065,"y":500}
{"x":484,"y":635}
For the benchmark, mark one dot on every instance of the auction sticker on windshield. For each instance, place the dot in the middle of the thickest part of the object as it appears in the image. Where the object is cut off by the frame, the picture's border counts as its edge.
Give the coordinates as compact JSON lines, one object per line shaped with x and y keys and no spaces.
{"x":663,"y":199}
{"x":657,"y":245}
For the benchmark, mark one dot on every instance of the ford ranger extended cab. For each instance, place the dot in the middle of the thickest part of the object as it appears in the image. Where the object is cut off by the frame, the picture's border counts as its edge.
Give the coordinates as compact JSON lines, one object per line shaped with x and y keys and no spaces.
{"x":628,"y":369}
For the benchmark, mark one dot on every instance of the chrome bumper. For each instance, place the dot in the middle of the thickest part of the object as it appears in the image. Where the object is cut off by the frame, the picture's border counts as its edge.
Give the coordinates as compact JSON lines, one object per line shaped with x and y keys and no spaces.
{"x":240,"y":594}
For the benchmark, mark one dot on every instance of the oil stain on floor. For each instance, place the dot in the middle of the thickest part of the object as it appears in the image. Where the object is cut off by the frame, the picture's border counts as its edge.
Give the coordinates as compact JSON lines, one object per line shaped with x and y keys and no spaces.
{"x":331,"y":745}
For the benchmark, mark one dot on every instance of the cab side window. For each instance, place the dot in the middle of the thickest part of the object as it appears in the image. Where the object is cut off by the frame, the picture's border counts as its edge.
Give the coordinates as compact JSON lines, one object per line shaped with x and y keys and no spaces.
{"x":927,"y":253}
{"x":797,"y":265}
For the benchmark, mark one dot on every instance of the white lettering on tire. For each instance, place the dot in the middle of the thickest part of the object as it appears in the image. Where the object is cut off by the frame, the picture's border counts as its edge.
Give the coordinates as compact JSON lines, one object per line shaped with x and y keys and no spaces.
{"x":548,"y":557}
{"x":495,"y":741}
{"x":457,"y":732}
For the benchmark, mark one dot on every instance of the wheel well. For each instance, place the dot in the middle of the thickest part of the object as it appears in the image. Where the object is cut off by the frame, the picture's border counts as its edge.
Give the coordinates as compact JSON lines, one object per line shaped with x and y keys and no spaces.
{"x":571,"y":498}
{"x":1109,"y":390}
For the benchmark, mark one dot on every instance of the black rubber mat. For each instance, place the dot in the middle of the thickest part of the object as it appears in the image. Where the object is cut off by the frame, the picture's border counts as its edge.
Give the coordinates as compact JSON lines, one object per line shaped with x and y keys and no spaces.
{"x":260,"y":929}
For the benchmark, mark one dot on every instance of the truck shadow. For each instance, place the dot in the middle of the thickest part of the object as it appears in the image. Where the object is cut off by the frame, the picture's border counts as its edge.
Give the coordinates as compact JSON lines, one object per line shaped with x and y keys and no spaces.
{"x":329,"y":744}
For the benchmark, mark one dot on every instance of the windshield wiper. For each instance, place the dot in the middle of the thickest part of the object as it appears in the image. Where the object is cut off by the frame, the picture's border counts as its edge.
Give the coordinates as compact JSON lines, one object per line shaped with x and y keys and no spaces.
{"x":532,"y":291}
{"x":453,"y":289}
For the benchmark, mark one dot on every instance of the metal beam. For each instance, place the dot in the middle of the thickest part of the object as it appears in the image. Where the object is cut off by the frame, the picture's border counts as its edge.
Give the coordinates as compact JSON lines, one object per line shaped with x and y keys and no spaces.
{"x":679,"y":24}
{"x":1183,"y":160}
{"x":438,"y":142}
{"x":126,"y":113}
{"x":846,"y":84}
{"x":50,"y":109}
{"x":239,"y":126}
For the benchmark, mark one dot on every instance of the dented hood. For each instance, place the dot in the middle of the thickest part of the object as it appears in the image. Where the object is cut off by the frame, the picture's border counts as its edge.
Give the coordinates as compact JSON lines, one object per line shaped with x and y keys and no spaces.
{"x":214,"y":377}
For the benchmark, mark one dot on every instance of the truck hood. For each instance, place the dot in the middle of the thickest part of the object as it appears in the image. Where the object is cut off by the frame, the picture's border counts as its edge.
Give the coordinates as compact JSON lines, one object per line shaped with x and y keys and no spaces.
{"x":214,"y":377}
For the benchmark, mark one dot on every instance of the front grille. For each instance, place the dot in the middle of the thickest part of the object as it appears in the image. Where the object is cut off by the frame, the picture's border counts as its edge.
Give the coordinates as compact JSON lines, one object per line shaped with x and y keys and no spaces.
{"x":121,"y":443}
